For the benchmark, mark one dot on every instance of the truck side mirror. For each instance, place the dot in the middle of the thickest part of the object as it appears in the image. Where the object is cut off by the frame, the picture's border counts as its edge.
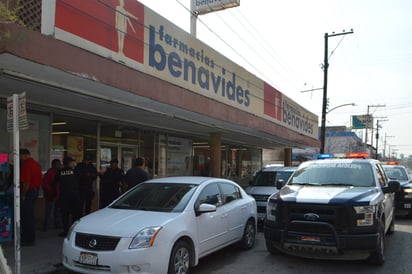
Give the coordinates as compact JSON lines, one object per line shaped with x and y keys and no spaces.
{"x":280,"y":183}
{"x":393,"y":186}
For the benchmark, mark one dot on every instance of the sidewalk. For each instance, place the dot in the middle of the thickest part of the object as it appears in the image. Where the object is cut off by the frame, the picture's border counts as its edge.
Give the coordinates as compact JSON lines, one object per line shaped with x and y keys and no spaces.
{"x":44,"y":257}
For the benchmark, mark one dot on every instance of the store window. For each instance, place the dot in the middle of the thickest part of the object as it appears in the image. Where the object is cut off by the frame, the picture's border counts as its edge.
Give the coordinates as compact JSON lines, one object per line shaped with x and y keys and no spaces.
{"x":36,"y":139}
{"x":175,"y":156}
{"x":73,"y":137}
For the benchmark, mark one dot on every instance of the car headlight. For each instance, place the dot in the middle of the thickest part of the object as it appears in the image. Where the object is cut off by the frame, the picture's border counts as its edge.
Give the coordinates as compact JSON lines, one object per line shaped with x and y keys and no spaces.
{"x":70,"y":231}
{"x":407,"y":190}
{"x":367,"y":215}
{"x":145,"y":237}
{"x":271,"y":210}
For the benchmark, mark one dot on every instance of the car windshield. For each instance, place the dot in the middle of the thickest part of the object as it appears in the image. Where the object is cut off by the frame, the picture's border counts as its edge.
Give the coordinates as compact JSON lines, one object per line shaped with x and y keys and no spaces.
{"x":163,"y":197}
{"x":396,"y":173}
{"x":339,"y":174}
{"x":269,"y":178}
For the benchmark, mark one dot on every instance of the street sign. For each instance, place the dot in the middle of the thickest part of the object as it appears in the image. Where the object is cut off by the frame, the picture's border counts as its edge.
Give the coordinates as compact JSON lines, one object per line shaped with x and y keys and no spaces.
{"x":362,"y":121}
{"x":23,"y":121}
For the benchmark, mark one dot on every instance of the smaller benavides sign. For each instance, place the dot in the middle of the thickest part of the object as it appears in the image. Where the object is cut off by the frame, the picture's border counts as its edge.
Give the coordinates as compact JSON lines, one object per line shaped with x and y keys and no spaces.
{"x":206,"y":6}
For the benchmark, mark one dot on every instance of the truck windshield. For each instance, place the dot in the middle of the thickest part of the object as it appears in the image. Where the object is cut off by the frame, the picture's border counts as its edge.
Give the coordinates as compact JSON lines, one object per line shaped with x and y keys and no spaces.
{"x":339,"y":174}
{"x":269,"y":178}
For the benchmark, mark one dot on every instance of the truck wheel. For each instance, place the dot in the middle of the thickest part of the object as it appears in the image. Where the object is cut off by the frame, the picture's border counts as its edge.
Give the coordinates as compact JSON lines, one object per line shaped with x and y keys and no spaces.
{"x":271,"y":247}
{"x":377,"y":257}
{"x":249,"y":234}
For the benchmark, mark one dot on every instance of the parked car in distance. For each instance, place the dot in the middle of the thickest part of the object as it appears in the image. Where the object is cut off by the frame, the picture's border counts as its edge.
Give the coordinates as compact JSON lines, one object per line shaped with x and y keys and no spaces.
{"x":163,"y":225}
{"x":264,"y":184}
{"x":403,"y":198}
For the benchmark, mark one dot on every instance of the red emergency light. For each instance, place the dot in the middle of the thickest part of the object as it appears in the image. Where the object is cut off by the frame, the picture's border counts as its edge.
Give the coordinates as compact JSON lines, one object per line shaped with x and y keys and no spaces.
{"x":362,"y":155}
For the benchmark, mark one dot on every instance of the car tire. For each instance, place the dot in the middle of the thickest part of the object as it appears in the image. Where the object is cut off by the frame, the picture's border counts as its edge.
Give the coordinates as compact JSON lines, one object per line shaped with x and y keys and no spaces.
{"x":180,"y":260}
{"x":249,"y":235}
{"x":377,"y":257}
{"x":270,"y":246}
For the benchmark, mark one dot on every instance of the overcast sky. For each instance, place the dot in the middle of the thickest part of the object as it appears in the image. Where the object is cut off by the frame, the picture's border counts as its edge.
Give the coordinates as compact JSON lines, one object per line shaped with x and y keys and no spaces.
{"x":282,"y":42}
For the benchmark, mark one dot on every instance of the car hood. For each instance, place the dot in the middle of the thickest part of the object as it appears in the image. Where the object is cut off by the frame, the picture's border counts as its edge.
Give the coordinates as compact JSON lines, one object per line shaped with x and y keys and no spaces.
{"x":122,"y":222}
{"x":261,"y":190}
{"x":329,"y":195}
{"x":405,"y":184}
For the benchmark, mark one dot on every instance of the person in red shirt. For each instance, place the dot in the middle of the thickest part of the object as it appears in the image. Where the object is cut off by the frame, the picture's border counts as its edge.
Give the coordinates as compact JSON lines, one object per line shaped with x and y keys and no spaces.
{"x":50,"y":195}
{"x":31,"y":179}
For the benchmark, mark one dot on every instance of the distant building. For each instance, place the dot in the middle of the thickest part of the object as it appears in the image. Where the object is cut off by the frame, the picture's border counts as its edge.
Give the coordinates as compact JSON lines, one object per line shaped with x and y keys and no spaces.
{"x":343,"y":142}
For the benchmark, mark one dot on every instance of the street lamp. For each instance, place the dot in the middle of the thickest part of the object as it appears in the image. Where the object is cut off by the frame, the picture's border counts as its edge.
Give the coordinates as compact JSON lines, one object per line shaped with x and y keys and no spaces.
{"x":344,"y":105}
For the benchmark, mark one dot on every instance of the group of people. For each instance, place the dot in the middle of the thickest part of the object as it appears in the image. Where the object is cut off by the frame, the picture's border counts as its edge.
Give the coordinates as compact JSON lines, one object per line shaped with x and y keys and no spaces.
{"x":69,"y":189}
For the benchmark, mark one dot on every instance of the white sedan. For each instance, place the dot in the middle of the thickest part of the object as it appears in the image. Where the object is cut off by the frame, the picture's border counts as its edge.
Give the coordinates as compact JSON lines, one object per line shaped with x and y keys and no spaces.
{"x":162,"y":226}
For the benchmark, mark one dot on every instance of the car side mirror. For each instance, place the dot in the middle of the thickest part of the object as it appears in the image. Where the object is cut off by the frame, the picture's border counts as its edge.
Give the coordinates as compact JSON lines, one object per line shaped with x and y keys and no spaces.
{"x":393,"y":186}
{"x":280,"y":183}
{"x":204,"y":208}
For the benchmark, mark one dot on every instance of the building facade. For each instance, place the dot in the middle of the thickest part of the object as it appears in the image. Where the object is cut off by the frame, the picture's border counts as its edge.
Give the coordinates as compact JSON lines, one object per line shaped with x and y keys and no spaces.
{"x":113,"y":79}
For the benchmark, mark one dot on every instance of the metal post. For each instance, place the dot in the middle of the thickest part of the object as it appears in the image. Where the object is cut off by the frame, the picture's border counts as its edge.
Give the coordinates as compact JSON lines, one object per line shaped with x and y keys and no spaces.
{"x":16,"y":174}
{"x":193,"y":19}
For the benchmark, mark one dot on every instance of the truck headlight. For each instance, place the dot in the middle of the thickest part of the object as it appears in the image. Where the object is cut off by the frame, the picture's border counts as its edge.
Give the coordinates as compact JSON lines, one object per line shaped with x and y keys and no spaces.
{"x":366,"y":213}
{"x":271,"y":211}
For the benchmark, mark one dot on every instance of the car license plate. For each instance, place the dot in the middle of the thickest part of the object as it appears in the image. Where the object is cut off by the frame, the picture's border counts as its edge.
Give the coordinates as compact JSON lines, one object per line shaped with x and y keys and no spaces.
{"x":88,"y":258}
{"x":407,"y":206}
{"x":310,"y":238}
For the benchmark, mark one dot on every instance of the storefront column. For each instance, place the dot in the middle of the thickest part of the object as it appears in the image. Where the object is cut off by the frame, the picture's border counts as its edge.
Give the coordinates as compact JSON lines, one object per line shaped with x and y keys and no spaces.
{"x":215,"y":154}
{"x":287,"y":159}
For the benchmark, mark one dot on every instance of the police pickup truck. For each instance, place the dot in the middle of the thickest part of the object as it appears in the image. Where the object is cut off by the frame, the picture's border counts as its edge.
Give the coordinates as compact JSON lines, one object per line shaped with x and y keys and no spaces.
{"x":333,"y":209}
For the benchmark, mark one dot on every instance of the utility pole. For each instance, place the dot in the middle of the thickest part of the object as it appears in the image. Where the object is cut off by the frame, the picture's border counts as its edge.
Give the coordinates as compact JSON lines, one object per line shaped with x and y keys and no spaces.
{"x":384,"y":145}
{"x":368,"y":121}
{"x":325,"y":89}
{"x":377,"y":135}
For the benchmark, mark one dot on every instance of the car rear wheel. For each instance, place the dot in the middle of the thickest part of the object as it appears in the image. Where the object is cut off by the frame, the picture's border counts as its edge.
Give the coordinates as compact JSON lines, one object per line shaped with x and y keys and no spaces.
{"x":249,"y":235}
{"x":180,"y":258}
{"x":377,"y":257}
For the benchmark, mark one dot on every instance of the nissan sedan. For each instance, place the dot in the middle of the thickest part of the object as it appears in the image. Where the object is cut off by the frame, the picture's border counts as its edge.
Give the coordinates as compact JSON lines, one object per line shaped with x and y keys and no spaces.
{"x":162,"y":226}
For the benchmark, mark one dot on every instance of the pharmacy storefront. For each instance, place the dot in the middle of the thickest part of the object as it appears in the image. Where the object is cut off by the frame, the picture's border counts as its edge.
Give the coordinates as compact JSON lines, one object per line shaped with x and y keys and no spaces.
{"x":114,"y":80}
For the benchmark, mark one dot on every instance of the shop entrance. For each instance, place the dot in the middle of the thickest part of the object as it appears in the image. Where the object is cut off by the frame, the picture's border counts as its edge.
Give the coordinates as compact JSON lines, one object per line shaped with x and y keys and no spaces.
{"x":125,"y":154}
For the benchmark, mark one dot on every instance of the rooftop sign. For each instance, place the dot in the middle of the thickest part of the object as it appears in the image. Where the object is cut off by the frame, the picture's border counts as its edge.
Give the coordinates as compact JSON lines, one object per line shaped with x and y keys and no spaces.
{"x":133,"y":35}
{"x":206,"y":6}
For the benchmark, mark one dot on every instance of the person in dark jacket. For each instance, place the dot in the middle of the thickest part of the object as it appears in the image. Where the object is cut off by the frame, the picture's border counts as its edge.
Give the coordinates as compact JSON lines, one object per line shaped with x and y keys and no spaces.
{"x":67,"y":182}
{"x":50,"y":195}
{"x":87,"y":174}
{"x":136,"y":175}
{"x":111,"y":181}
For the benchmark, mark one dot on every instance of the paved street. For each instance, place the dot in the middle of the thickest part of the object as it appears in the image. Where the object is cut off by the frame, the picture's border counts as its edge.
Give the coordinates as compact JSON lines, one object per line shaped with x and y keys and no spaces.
{"x":45,"y":258}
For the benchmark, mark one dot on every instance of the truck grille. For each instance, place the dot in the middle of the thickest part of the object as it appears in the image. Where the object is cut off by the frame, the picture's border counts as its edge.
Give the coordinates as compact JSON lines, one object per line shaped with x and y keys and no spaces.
{"x":336,"y":216}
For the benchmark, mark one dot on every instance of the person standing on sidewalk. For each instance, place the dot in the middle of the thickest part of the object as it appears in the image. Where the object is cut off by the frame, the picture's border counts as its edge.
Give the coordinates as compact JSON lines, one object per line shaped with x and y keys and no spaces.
{"x":31,"y":178}
{"x":50,"y":195}
{"x":66,"y":182}
{"x":111,"y":181}
{"x":87,"y":175}
{"x":136,"y":175}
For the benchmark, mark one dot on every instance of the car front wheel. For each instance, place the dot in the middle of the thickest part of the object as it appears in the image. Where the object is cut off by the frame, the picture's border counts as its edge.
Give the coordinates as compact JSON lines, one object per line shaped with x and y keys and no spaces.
{"x":249,"y":235}
{"x":180,"y":257}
